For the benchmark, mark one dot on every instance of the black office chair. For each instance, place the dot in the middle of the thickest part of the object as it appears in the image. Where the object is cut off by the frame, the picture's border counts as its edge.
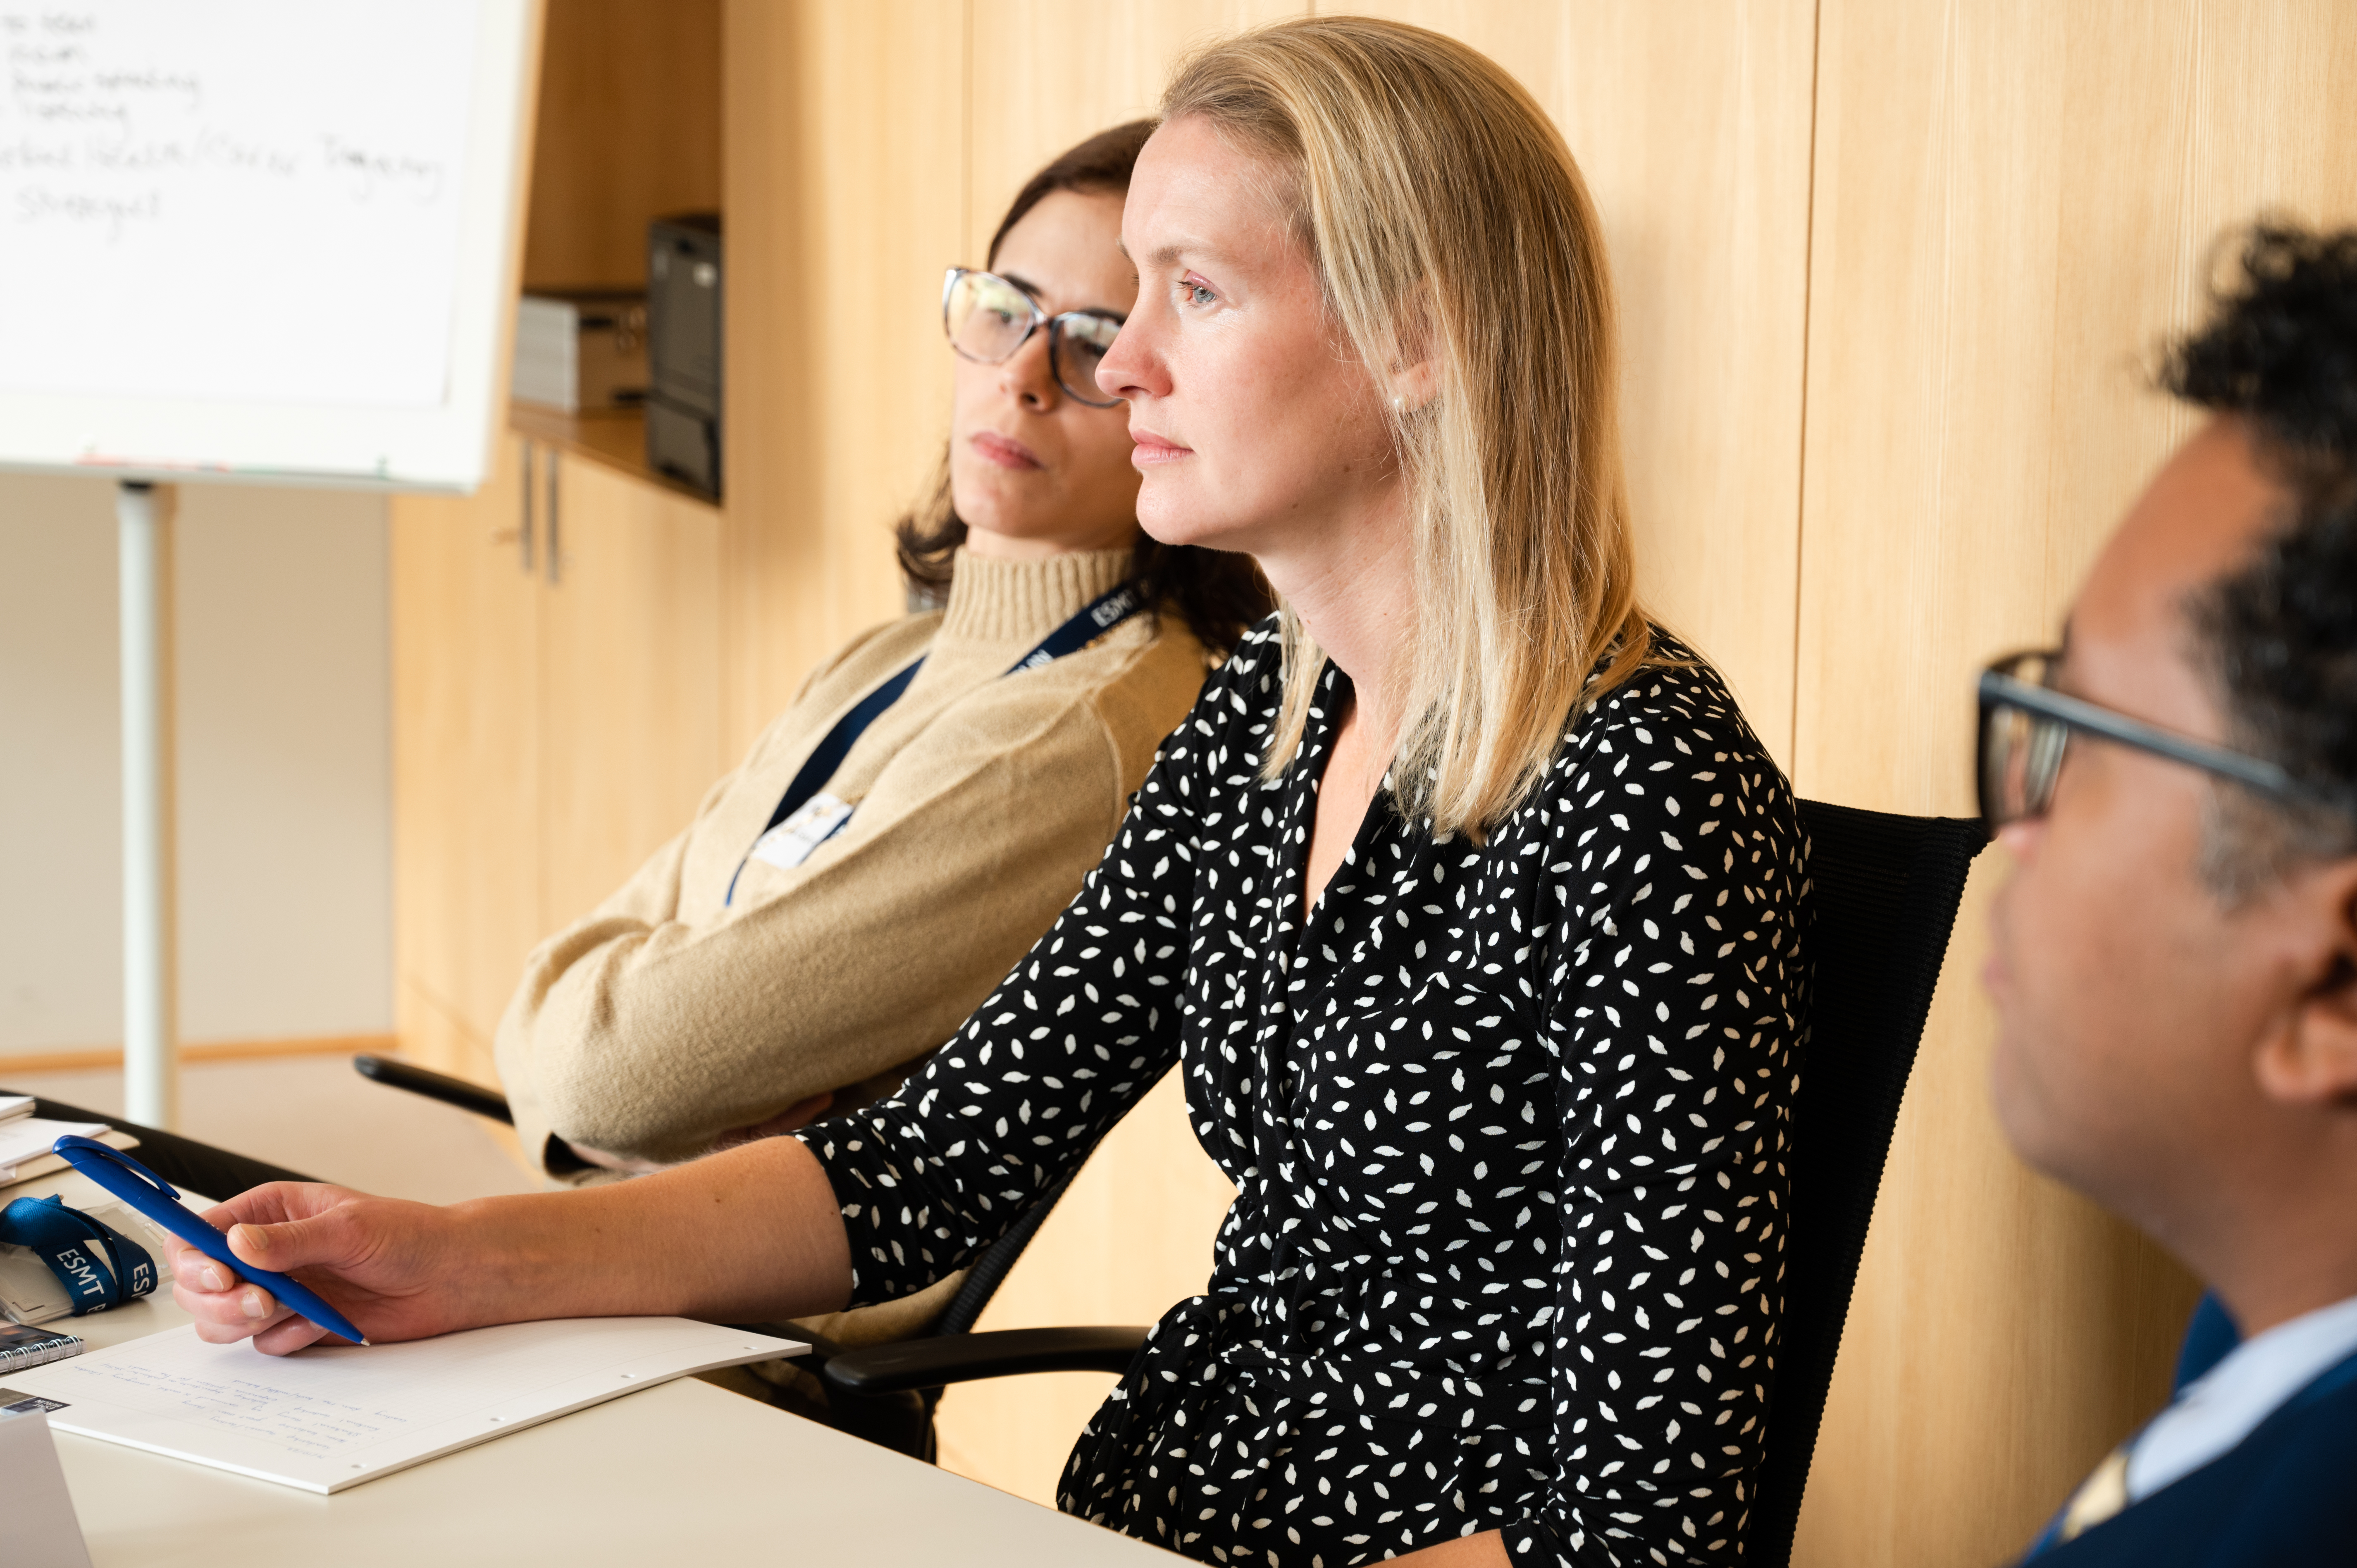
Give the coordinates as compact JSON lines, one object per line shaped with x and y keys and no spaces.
{"x":434,"y":1085}
{"x":1884,"y":892}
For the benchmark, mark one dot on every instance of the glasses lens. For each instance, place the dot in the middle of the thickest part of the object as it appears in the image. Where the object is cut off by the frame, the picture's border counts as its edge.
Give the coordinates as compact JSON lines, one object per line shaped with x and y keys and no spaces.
{"x":1082,"y":339}
{"x":2002,"y":729}
{"x":2021,"y":754}
{"x":987,"y":317}
{"x":2041,"y":762}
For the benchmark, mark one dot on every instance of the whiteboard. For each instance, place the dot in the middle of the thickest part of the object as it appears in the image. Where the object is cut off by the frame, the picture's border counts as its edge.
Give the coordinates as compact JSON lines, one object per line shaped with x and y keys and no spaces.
{"x":258,"y":240}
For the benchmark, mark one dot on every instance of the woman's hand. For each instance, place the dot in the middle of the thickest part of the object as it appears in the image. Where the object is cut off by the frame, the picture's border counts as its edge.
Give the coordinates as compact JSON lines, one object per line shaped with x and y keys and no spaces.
{"x":749,"y":1235}
{"x":399,"y":1271}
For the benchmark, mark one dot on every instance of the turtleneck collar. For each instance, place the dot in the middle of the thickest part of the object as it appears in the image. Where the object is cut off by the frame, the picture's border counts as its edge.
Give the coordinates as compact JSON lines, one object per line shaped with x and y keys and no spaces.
{"x":994,"y":601}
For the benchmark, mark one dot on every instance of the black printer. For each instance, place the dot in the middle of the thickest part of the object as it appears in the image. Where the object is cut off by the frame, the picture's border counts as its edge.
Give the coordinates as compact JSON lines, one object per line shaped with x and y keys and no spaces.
{"x":684,"y":349}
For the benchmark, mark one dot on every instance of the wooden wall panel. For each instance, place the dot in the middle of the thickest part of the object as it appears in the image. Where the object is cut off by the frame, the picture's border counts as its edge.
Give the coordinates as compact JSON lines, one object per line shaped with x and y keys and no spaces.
{"x":845,"y":128}
{"x":1049,"y":72}
{"x":1690,"y":120}
{"x":628,"y":129}
{"x":465,"y":756}
{"x":630,"y":703}
{"x":2013,"y":205}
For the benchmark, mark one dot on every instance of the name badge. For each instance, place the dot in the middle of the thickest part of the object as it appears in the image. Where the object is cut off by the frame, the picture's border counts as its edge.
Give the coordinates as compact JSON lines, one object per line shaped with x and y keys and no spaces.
{"x":791,"y":843}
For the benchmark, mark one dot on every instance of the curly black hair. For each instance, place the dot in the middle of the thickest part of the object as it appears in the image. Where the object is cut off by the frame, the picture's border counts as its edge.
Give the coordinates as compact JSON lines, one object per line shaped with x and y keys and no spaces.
{"x":2280,"y":354}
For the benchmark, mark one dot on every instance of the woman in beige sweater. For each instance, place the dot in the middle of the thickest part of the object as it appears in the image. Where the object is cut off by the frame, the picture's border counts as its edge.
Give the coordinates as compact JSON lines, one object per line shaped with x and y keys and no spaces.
{"x":757,"y":972}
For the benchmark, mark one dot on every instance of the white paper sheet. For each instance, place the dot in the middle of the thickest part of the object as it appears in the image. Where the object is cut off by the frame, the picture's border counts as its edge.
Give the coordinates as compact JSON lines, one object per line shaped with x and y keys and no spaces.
{"x":41,"y":1163}
{"x":27,"y":1138}
{"x":326,"y":1419}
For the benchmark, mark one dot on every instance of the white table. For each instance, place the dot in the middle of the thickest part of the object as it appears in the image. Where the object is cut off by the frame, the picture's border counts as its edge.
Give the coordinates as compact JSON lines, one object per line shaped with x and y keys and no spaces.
{"x":680,"y":1473}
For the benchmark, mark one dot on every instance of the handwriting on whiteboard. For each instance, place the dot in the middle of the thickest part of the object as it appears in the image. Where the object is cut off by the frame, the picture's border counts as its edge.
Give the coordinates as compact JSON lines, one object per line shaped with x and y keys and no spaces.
{"x":240,"y":199}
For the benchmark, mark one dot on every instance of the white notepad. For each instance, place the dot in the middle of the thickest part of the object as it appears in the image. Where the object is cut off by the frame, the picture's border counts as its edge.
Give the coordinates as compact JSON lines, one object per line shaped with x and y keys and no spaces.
{"x":24,"y":1144}
{"x":328,"y":1418}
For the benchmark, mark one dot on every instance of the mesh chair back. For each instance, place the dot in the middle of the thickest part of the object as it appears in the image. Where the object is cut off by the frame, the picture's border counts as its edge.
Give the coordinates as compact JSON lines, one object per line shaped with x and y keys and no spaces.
{"x":1884,"y":891}
{"x":989,"y":1271}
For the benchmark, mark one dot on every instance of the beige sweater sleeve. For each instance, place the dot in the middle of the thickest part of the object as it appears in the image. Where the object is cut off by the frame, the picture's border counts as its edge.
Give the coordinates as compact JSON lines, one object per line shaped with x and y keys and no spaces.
{"x":647,"y":1038}
{"x":523,"y":1049}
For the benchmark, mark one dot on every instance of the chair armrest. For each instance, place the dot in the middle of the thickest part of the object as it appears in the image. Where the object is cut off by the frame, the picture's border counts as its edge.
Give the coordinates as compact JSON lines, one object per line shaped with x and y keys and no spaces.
{"x":438,"y":1086}
{"x":821,"y":1346}
{"x":963,"y":1357}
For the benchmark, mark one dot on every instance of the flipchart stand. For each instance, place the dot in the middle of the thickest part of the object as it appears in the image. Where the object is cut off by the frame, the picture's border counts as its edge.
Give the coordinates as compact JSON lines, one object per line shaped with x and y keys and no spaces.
{"x":144,"y":515}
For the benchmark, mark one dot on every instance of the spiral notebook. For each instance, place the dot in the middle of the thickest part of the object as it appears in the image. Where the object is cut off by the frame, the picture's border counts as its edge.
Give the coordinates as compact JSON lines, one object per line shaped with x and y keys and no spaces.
{"x":25,"y":1346}
{"x":331,"y":1417}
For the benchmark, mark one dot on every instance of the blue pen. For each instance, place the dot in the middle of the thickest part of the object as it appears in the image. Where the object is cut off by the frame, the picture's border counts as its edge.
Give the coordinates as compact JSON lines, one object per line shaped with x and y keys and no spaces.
{"x":154,"y":1196}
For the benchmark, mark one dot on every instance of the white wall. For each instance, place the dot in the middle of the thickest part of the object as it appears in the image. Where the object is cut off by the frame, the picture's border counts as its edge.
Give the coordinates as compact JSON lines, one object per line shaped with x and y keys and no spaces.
{"x":285,"y":803}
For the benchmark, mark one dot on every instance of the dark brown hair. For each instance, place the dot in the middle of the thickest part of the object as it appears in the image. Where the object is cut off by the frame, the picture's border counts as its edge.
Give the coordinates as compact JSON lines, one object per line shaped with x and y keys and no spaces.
{"x":1217,"y":594}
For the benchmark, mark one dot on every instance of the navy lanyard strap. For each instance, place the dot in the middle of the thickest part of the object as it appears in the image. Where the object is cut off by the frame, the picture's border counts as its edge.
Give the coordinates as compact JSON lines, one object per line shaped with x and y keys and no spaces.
{"x":95,"y":1278}
{"x":1100,"y":615}
{"x":819,"y":764}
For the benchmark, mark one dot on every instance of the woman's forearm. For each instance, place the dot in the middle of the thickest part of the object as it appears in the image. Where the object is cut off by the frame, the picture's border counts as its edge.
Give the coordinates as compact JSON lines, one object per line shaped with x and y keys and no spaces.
{"x":747,"y":1235}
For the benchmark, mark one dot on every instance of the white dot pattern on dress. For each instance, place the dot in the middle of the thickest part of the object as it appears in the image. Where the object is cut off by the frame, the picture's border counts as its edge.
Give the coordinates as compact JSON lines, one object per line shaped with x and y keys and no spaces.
{"x":1507,"y":1122}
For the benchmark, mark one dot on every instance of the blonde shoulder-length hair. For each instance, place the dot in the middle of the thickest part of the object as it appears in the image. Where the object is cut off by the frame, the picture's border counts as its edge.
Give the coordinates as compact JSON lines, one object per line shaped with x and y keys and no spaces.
{"x":1449,"y":225}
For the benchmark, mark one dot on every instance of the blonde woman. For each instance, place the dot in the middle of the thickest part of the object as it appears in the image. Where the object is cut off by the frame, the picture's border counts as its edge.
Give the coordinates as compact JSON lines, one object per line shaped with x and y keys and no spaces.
{"x":1466,"y":902}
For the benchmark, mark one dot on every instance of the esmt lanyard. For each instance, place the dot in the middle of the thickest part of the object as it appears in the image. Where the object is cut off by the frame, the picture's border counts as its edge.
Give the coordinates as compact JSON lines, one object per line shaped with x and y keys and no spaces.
{"x":1093,"y":620}
{"x":94,"y":1277}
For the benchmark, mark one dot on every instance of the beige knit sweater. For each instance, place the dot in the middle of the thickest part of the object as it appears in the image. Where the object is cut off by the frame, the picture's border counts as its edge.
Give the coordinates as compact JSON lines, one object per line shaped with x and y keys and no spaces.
{"x":667,"y":1018}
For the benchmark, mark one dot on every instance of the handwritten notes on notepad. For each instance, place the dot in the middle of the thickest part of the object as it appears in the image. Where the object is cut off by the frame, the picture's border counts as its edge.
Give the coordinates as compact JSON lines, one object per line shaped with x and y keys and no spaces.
{"x":326,"y":1419}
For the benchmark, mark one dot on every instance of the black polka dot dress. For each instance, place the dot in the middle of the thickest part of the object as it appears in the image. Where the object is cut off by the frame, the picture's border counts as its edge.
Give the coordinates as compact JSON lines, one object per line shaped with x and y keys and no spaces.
{"x":1507,"y":1122}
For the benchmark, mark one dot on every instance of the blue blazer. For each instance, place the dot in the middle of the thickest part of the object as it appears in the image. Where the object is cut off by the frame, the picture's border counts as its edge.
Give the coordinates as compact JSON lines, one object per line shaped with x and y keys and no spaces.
{"x":2285,"y":1495}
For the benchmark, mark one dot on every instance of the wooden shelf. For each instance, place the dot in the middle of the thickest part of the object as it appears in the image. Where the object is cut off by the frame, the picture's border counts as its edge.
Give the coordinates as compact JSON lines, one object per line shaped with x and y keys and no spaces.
{"x":615,"y":438}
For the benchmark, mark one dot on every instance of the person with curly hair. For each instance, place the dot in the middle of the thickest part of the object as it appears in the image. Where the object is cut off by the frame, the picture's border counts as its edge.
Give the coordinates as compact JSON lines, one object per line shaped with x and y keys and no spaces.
{"x":2175,"y":964}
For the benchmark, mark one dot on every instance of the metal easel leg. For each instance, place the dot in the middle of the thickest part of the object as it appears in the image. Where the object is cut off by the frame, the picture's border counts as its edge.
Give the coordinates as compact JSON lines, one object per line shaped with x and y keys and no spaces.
{"x":151,"y":1076}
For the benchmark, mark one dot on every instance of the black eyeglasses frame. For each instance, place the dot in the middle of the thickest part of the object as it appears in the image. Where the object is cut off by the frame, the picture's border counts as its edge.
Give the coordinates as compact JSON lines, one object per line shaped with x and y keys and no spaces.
{"x":2000,"y":688}
{"x":1054,"y":323}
